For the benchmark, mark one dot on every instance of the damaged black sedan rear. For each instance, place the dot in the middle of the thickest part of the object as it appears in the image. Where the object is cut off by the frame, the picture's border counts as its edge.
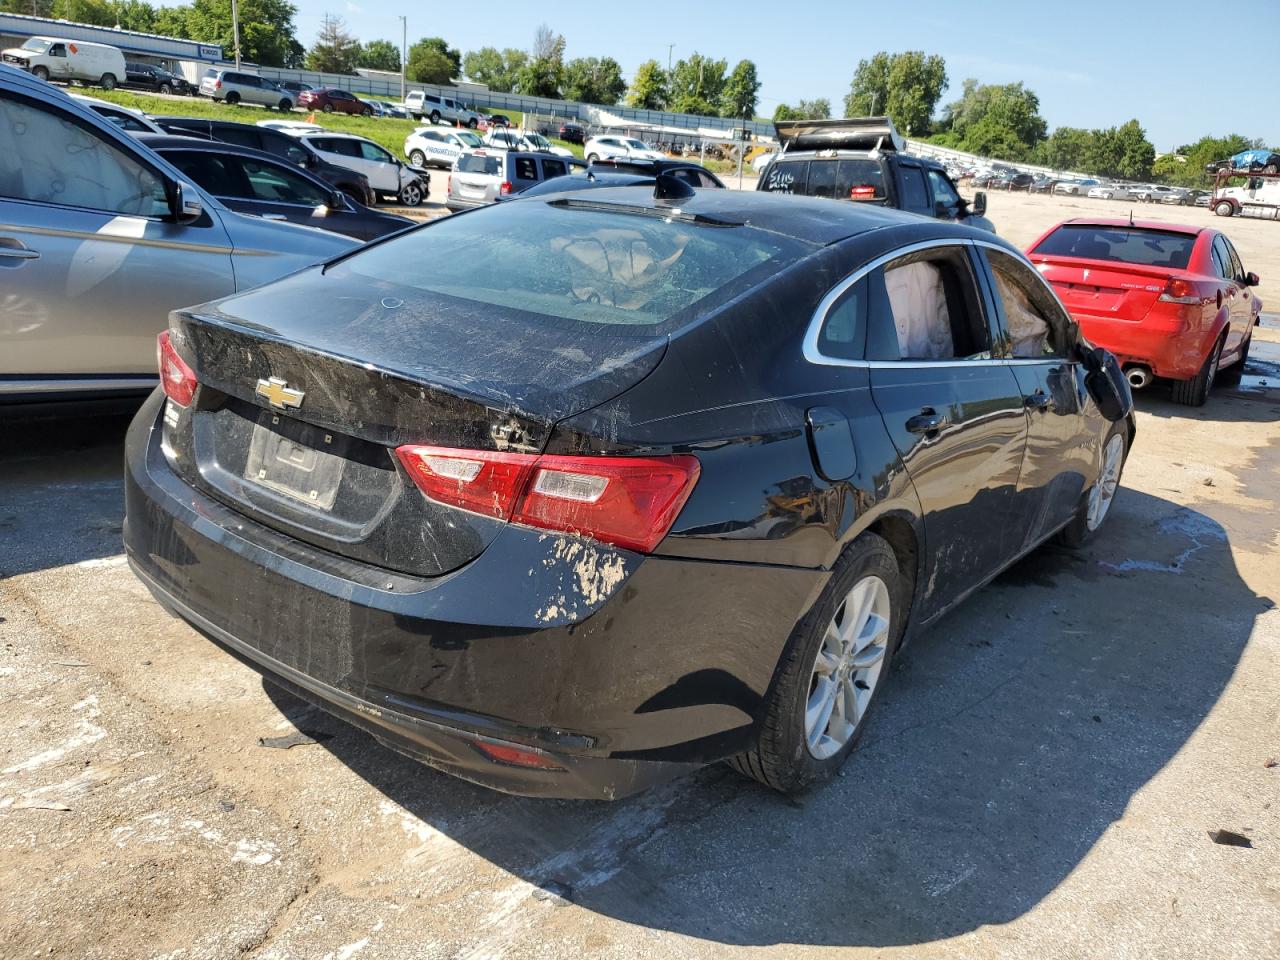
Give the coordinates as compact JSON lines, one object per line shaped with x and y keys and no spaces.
{"x":616,"y":486}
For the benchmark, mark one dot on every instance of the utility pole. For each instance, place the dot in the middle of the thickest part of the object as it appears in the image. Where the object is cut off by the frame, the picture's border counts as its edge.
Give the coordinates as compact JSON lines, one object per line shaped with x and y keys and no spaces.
{"x":235,"y":29}
{"x":670,"y":47}
{"x":404,"y":51}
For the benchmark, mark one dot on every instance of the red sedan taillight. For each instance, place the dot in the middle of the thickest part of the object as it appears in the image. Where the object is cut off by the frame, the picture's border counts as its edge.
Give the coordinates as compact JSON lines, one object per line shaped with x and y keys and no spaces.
{"x":1178,"y":290}
{"x":627,"y":501}
{"x":178,"y":380}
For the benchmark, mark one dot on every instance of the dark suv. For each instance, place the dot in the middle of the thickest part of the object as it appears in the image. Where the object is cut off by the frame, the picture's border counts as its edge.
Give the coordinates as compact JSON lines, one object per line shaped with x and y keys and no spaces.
{"x":147,"y":76}
{"x":354,"y":185}
{"x":863,"y":159}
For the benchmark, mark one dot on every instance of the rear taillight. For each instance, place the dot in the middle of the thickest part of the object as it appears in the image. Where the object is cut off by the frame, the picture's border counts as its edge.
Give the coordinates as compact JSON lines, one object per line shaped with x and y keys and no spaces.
{"x":217,"y":84}
{"x":177,"y":379}
{"x":448,"y":185}
{"x":627,"y":501}
{"x":1178,"y":290}
{"x":862,"y":192}
{"x":505,"y":189}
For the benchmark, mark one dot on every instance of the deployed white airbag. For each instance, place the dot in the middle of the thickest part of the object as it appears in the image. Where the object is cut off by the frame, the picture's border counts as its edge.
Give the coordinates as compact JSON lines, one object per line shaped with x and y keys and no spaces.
{"x":1027,"y":329}
{"x":919,"y":305}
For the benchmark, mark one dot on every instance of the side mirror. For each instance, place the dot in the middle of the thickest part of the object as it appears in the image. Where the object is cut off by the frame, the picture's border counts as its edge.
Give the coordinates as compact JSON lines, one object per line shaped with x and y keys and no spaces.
{"x":1251,"y":279}
{"x":979,"y":205}
{"x":185,"y":205}
{"x":1106,"y":383}
{"x":337,"y":200}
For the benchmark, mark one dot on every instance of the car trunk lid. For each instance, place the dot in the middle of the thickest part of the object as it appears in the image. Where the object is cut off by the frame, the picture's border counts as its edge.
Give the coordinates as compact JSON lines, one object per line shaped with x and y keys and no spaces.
{"x":305,"y":392}
{"x":1100,"y":288}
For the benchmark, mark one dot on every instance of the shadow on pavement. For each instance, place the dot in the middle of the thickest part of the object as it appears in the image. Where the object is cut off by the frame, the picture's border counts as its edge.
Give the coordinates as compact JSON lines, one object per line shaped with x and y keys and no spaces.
{"x":1012,"y":736}
{"x":61,"y":488}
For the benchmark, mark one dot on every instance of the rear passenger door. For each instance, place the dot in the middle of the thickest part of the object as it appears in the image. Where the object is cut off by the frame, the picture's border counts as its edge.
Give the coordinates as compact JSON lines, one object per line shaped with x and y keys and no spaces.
{"x":954,"y":413}
{"x":1031,"y":329}
{"x":1239,"y":298}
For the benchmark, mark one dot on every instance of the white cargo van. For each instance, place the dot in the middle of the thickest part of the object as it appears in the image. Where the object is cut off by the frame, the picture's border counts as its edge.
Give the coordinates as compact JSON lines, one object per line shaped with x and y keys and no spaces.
{"x":54,"y":58}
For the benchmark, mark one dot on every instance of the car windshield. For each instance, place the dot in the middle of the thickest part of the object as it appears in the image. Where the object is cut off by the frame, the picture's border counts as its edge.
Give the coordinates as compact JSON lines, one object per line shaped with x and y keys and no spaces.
{"x":636,"y":144}
{"x":580,"y":263}
{"x":36,"y":45}
{"x":479,"y":163}
{"x":538,"y":140}
{"x":1137,"y":245}
{"x":469,"y":138}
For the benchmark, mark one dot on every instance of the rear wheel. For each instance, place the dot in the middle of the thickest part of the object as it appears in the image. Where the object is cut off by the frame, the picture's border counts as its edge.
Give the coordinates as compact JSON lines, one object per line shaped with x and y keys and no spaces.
{"x":1194,"y":392}
{"x":435,"y":116}
{"x":418,"y":158}
{"x":834,"y":665}
{"x":165,"y":89}
{"x":233,"y":98}
{"x":40,"y":72}
{"x":1271,"y":168}
{"x":108,"y":81}
{"x":473,"y":123}
{"x":1223,"y":208}
{"x":284,"y":106}
{"x":1097,"y":500}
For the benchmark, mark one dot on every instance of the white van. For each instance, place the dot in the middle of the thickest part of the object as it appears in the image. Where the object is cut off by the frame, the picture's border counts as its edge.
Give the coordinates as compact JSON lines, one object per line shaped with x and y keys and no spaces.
{"x":53,"y":58}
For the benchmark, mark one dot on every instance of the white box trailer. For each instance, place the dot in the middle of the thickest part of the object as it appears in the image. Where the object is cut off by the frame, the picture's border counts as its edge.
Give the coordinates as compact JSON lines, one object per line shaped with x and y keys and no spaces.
{"x":57,"y":58}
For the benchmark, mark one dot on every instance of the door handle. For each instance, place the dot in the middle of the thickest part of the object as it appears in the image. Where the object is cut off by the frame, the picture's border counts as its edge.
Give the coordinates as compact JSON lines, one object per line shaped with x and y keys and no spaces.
{"x":1038,"y":401}
{"x":16,"y":250}
{"x":926,"y":421}
{"x":274,"y":216}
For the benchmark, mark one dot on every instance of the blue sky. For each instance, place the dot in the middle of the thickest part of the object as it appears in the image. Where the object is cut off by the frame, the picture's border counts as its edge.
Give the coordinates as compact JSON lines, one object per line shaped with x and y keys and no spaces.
{"x":1171,"y":64}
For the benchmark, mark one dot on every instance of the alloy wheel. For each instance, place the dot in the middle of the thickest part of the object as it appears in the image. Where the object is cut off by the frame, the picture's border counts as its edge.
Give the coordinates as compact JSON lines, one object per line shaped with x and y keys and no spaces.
{"x":1104,"y":489}
{"x":847,"y":667}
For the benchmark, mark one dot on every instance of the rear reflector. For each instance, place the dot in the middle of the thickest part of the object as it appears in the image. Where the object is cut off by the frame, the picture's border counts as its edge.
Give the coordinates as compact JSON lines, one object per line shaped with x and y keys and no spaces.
{"x":630,"y":502}
{"x":178,"y":379}
{"x":1178,"y":290}
{"x":504,"y":753}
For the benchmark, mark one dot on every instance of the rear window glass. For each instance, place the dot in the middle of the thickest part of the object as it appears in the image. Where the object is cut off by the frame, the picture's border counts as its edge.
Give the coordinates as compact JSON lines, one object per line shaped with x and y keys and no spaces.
{"x":580,"y":263}
{"x":791,"y":176}
{"x":473,"y":163}
{"x":833,"y":179}
{"x":1151,"y":248}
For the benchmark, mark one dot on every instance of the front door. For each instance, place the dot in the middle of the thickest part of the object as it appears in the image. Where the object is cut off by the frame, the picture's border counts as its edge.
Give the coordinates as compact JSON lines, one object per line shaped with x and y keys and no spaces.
{"x":955,"y":415}
{"x":1062,"y":456}
{"x":90,"y":264}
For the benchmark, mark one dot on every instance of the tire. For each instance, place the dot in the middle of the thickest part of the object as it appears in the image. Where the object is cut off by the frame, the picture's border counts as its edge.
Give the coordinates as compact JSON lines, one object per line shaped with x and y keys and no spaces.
{"x":367,"y":112}
{"x":786,"y":757}
{"x":1271,"y":168}
{"x":107,"y":81}
{"x":1224,"y":208}
{"x":418,"y":158}
{"x":284,"y":106}
{"x":1195,"y":392}
{"x":472,"y":123}
{"x":165,"y":89}
{"x":1233,"y":373}
{"x":411,"y":195}
{"x":1095,"y":503}
{"x":40,"y":73}
{"x":232,"y":98}
{"x":327,"y":108}
{"x":435,"y":116}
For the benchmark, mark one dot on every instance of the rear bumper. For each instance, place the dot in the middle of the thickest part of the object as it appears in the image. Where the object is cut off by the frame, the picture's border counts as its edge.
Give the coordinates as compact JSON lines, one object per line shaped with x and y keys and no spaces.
{"x":1168,"y":344}
{"x":630,"y":682}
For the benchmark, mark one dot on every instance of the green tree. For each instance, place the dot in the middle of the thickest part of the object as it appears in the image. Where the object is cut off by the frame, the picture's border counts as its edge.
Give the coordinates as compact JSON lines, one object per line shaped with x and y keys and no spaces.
{"x":97,"y":12}
{"x":543,"y":75}
{"x":135,"y":15}
{"x":594,"y":80}
{"x":741,"y":91}
{"x":649,"y":87}
{"x":1206,"y":150}
{"x":696,"y":85}
{"x":429,"y":64}
{"x":494,"y":68}
{"x":449,"y":53}
{"x":905,"y":87}
{"x":1064,"y":149}
{"x":819,"y":109}
{"x":266,"y":29}
{"x":173,"y":22}
{"x":379,"y":55}
{"x":1005,"y":117}
{"x":1170,"y":168}
{"x":1136,"y":152}
{"x":32,"y":8}
{"x":335,"y":49}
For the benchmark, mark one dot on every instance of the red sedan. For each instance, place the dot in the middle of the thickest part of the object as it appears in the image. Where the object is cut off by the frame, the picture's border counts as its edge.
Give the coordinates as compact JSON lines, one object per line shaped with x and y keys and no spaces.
{"x":1168,"y":300}
{"x":329,"y":99}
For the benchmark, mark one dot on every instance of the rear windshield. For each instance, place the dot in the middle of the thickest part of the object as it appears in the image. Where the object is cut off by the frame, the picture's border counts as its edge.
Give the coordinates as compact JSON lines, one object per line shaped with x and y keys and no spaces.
{"x":834,"y":179}
{"x":1148,"y":248}
{"x":473,"y":163}
{"x":577,"y":263}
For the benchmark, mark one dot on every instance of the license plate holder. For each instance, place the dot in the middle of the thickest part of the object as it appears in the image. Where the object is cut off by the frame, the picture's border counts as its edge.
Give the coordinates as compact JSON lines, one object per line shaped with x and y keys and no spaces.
{"x":296,"y":459}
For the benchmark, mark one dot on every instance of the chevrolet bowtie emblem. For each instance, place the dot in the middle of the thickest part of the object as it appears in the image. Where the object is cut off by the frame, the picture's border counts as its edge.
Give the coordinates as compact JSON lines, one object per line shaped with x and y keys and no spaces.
{"x":279,"y":394}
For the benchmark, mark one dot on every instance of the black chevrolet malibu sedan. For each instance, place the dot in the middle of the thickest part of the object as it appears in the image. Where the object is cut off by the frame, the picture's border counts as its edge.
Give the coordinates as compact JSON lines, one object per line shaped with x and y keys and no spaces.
{"x":569,"y":495}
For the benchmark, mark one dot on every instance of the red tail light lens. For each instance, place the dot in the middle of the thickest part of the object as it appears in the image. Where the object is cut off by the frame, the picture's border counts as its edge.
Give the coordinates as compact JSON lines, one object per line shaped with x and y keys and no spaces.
{"x":503,"y":753}
{"x":1178,"y":290}
{"x":863,"y":192}
{"x":178,"y":379}
{"x":627,"y":501}
{"x":505,"y":188}
{"x":217,"y":85}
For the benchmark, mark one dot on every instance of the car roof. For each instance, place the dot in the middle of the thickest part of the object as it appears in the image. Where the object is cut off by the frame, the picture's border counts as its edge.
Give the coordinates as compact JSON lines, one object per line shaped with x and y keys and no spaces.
{"x":1139,"y":224}
{"x":812,"y":219}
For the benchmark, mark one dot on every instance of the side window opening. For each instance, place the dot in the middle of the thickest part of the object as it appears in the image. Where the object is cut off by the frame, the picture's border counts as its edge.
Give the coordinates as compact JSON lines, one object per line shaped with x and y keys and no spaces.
{"x":526,"y":168}
{"x":933,"y":304}
{"x":1035,"y":323}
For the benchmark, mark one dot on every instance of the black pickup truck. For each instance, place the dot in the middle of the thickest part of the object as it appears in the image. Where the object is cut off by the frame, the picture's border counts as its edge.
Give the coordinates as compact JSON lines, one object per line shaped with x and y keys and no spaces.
{"x":864,"y":160}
